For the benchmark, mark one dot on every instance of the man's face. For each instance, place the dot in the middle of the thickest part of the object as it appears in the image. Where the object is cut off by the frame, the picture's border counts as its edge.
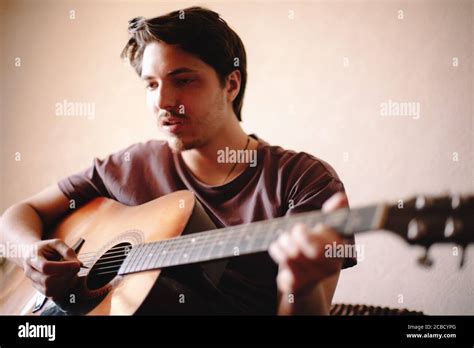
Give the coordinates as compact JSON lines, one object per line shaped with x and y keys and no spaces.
{"x":184,"y":94}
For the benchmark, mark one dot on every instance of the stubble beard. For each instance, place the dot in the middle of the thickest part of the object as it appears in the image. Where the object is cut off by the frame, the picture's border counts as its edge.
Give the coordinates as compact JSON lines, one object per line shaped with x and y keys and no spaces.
{"x":207,"y":127}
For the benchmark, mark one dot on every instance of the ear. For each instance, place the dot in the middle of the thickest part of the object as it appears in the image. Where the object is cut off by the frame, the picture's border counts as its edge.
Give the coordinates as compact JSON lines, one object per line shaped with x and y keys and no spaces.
{"x":232,"y":86}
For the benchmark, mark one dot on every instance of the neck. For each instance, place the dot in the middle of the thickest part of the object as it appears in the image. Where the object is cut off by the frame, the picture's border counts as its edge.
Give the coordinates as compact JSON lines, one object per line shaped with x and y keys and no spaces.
{"x":250,"y":238}
{"x":203,"y":161}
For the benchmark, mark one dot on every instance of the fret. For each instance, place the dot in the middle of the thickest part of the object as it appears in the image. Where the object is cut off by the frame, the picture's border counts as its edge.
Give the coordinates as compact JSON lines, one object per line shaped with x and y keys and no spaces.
{"x":222,"y":238}
{"x":212,"y":242}
{"x":181,"y":250}
{"x":233,"y":243}
{"x":154,"y":250}
{"x":227,"y":249}
{"x":242,"y":239}
{"x":146,"y":256}
{"x":359,"y":220}
{"x":236,"y":244}
{"x":310,"y":220}
{"x":258,"y":237}
{"x":163,"y":253}
{"x":169,"y":252}
{"x":200,"y":245}
{"x":337,"y":219}
{"x":128,"y":260}
{"x":270,"y":234}
{"x":246,"y":241}
{"x":266,"y":232}
{"x":226,"y":237}
{"x":206,"y":247}
{"x":137,"y":257}
{"x":277,"y":229}
{"x":133,"y":257}
{"x":158,"y":247}
{"x":193,"y":255}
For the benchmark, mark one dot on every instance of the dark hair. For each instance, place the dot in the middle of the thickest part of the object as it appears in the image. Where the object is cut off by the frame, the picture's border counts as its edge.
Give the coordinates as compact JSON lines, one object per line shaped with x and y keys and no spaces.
{"x":198,"y":31}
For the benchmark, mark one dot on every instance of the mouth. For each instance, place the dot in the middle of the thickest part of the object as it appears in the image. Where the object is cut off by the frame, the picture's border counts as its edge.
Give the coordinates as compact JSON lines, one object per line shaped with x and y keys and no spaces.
{"x":172,"y":124}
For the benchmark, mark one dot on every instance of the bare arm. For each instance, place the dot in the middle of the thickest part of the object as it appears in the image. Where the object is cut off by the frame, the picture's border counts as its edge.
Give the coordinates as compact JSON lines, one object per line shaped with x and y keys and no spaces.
{"x":307,"y":279}
{"x":317,"y":301}
{"x":24,"y":224}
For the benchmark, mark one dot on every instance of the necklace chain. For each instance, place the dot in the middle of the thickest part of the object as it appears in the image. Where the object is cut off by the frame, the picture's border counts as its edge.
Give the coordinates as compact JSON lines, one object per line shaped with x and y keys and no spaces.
{"x":235,"y":164}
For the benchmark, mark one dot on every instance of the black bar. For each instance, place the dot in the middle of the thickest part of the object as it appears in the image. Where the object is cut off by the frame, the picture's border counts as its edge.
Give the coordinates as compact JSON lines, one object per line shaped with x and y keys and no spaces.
{"x":255,"y":330}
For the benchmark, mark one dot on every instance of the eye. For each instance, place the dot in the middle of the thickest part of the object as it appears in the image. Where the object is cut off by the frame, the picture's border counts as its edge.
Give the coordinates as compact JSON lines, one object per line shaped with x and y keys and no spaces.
{"x":151,"y":86}
{"x":184,"y":82}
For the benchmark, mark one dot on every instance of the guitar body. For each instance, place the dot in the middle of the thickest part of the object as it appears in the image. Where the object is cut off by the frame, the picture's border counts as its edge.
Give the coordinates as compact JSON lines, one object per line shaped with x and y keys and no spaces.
{"x":104,"y":223}
{"x":126,"y":249}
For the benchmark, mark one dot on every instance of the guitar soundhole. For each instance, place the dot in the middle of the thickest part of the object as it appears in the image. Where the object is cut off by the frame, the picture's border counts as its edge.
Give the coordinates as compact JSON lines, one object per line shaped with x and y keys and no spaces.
{"x":107,"y":266}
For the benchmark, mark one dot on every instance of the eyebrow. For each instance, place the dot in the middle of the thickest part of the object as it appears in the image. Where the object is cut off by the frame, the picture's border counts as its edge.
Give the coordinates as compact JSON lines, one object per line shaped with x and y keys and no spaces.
{"x":172,"y":73}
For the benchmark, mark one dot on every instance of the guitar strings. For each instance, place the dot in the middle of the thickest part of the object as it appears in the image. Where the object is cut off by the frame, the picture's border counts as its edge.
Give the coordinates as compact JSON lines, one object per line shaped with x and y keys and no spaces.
{"x":175,"y":244}
{"x":178,"y":242}
{"x":176,"y":247}
{"x":95,"y":273}
{"x":303,"y":217}
{"x":173,"y":248}
{"x":141,"y":259}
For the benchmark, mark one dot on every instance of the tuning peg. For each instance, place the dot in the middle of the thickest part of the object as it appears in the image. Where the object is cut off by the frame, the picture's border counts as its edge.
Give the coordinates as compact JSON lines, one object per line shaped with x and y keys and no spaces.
{"x":463,"y":256}
{"x":417,"y":229}
{"x":421,"y":202}
{"x":456,"y":201}
{"x":453,"y":230}
{"x":425,"y":260}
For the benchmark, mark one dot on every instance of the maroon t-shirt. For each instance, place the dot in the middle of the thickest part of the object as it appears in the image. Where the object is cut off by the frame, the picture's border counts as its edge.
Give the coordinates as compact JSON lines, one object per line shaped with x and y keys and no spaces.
{"x":282,"y":183}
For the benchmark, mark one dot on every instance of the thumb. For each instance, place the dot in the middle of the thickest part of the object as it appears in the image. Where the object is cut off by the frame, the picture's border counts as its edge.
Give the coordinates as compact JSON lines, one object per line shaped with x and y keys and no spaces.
{"x":65,"y":251}
{"x":60,"y":267}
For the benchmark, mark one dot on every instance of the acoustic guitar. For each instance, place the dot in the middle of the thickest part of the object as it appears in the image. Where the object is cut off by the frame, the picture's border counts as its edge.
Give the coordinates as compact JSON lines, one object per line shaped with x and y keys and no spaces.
{"x":126,"y":248}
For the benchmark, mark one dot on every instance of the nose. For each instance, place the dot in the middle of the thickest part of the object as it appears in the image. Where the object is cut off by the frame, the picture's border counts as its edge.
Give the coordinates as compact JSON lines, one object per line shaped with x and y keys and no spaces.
{"x":165,"y":98}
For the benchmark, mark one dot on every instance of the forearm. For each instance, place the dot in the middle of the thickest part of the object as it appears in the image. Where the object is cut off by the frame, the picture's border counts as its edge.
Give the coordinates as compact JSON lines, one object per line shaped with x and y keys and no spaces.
{"x":20,"y":225}
{"x":312,"y":302}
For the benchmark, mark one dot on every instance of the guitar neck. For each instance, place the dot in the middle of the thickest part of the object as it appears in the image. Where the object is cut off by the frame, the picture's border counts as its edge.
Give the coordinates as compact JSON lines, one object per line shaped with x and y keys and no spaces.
{"x":245,"y":239}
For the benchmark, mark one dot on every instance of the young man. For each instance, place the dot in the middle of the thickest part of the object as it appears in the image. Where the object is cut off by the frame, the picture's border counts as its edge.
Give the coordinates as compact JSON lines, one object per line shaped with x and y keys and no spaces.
{"x":194,"y":69}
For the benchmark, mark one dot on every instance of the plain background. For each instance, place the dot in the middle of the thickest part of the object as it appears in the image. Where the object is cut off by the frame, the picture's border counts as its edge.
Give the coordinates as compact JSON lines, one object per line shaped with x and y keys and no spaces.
{"x":318,"y":73}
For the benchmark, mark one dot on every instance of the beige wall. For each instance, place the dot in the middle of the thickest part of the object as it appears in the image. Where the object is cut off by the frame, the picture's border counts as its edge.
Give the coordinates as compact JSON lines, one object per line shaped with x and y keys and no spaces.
{"x":318,"y":73}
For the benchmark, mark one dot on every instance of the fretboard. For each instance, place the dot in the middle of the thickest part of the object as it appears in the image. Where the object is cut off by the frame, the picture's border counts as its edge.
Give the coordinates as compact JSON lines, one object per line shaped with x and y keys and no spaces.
{"x":244,"y":239}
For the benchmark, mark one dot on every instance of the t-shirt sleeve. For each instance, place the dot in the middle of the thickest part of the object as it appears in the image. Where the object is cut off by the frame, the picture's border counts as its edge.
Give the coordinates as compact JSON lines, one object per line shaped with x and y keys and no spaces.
{"x":103,"y":178}
{"x":314,"y":186}
{"x":85,"y":185}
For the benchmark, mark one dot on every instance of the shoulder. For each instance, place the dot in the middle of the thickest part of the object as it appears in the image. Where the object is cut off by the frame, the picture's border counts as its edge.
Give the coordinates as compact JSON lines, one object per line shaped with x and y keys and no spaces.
{"x":139,"y":150}
{"x":144,"y":148}
{"x":134,"y":157}
{"x":296,"y":164}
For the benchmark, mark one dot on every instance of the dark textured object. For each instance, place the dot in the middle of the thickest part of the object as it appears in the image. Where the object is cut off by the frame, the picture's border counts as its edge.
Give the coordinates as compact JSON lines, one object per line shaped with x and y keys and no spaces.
{"x":357,"y":309}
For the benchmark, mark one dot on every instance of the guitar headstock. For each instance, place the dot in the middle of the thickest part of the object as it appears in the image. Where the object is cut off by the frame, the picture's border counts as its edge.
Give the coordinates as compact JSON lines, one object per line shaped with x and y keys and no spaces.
{"x":425,"y":221}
